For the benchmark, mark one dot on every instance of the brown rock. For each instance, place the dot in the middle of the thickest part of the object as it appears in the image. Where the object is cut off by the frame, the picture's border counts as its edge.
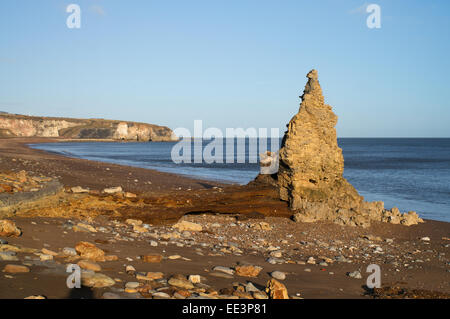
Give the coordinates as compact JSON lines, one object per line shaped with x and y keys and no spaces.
{"x":8,"y":229}
{"x":5,"y":188}
{"x":185,"y":225}
{"x":276,"y":290}
{"x":134,"y":222}
{"x":152,"y":258}
{"x":16,"y":269}
{"x":111,"y":258}
{"x":248,"y":270}
{"x":89,"y":265}
{"x":90,"y":251}
{"x":154,"y":275}
{"x":180,"y":282}
{"x":140,"y":229}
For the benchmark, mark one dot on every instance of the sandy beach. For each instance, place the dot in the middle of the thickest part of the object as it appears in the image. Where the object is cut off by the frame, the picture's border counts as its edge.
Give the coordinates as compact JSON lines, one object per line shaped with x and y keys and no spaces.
{"x":246,"y":230}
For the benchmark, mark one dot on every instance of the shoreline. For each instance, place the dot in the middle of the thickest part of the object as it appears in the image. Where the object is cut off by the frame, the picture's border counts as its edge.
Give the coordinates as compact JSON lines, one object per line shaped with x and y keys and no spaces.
{"x":113,"y":173}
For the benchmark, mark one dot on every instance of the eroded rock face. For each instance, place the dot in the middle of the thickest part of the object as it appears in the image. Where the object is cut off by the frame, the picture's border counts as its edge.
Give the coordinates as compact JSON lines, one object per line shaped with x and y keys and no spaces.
{"x":310,"y":175}
{"x":12,"y":125}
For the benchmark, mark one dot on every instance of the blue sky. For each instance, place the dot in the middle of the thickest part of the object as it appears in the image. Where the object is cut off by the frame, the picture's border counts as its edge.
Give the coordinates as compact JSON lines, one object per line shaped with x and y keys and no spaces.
{"x":230,"y":63}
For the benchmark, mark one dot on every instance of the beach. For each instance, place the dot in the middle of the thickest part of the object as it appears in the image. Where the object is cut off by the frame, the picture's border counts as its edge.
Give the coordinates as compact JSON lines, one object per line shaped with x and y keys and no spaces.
{"x":236,"y":226}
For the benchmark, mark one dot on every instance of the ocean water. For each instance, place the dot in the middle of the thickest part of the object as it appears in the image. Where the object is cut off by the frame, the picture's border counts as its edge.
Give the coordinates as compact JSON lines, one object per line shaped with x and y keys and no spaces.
{"x":410,"y":173}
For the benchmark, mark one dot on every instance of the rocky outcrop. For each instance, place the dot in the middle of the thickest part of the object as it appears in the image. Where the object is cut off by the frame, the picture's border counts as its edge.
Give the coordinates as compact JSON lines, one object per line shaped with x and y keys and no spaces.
{"x":311,"y":168}
{"x":30,"y":126}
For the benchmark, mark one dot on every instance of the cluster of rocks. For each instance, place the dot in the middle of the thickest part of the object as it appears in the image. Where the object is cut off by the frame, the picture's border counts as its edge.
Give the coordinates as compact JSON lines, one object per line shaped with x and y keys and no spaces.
{"x":311,"y":167}
{"x":276,"y":239}
{"x":14,"y":182}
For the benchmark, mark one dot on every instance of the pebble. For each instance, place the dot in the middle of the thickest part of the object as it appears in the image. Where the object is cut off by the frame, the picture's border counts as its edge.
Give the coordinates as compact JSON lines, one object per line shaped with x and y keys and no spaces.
{"x":225,"y":270}
{"x":16,"y":269}
{"x":110,"y":295}
{"x":425,"y":239}
{"x":153,"y":243}
{"x":355,"y":274}
{"x":279,"y":275}
{"x":195,"y":279}
{"x":132,"y":285}
{"x":68,"y":251}
{"x":162,"y":295}
{"x":8,"y":256}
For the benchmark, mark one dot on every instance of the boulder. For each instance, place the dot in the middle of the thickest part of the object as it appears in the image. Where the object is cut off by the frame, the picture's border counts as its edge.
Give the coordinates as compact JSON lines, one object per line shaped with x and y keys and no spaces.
{"x":248,"y":270}
{"x":90,"y":251}
{"x":96,"y":280}
{"x":276,"y":290}
{"x":9,"y":229}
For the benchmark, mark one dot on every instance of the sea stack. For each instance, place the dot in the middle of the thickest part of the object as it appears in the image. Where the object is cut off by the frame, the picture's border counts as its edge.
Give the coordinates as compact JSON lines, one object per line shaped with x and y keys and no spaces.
{"x":311,"y":167}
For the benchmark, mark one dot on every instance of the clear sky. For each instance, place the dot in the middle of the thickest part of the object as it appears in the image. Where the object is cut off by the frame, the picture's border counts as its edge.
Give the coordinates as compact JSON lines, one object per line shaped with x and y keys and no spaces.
{"x":230,"y":63}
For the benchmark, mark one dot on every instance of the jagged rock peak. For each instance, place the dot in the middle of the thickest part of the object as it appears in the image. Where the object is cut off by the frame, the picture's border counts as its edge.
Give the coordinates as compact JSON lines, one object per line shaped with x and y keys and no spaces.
{"x":311,"y":166}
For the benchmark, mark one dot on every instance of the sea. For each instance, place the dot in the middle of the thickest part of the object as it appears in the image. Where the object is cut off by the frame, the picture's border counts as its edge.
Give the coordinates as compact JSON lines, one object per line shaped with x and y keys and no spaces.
{"x":409,"y":173}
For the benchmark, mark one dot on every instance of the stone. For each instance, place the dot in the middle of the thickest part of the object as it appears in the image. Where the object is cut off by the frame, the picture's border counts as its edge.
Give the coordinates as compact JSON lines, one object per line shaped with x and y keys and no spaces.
{"x":248,"y":270}
{"x":279,"y":275}
{"x":16,"y":269}
{"x":130,"y":195}
{"x":154,"y":275}
{"x":261,"y":226}
{"x":82,"y":227}
{"x":259,"y":295}
{"x":152,"y":258}
{"x":130,"y":270}
{"x":180,"y":283}
{"x":187,"y":226}
{"x":140,"y":229}
{"x":134,"y":222}
{"x":45,"y":257}
{"x":160,"y":295}
{"x":276,"y":254}
{"x":110,"y":295}
{"x":355,"y":274}
{"x":111,"y":258}
{"x":49,"y":252}
{"x":113,"y":190}
{"x":96,"y":280}
{"x":425,"y":239}
{"x":9,"y":229}
{"x":89,"y":265}
{"x":132,"y":285}
{"x":90,"y":251}
{"x":225,"y":270}
{"x":250,"y":287}
{"x":79,"y":190}
{"x":3,"y":241}
{"x":8,"y":256}
{"x":195,"y":279}
{"x":276,"y":290}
